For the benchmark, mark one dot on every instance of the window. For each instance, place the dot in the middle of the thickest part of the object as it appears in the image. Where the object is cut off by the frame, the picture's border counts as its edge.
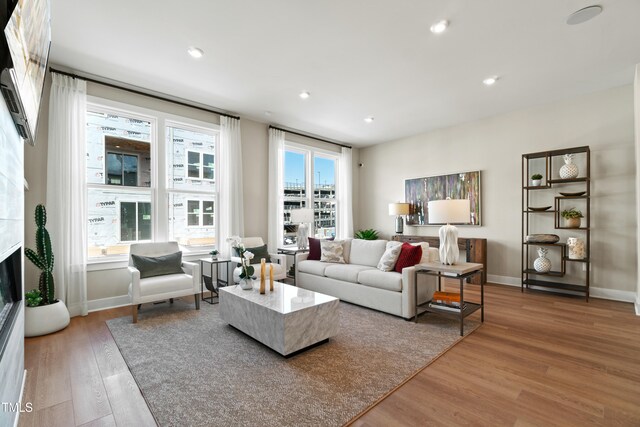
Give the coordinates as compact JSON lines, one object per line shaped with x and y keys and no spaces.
{"x":192,"y":189}
{"x":200,"y":213}
{"x":309,"y":181}
{"x":126,"y":151}
{"x":200,"y":165}
{"x":135,"y":221}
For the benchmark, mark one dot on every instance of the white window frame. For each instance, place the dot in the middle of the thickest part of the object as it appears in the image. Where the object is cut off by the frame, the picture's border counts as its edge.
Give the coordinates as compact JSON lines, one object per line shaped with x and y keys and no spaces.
{"x":159,"y":189}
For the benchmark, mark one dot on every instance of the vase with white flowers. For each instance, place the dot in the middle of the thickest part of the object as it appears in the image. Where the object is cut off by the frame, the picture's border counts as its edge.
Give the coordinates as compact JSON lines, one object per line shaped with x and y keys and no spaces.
{"x":245,"y":271}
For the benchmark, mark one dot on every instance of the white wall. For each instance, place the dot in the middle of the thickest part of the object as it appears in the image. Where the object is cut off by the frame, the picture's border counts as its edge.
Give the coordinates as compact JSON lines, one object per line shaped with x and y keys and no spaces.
{"x":603,"y":121}
{"x":111,"y":285}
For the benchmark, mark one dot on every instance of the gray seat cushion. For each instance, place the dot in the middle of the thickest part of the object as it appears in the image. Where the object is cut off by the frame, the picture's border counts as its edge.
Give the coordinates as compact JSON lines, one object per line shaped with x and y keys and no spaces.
{"x":312,"y":267}
{"x":345,"y":272}
{"x":389,"y":280}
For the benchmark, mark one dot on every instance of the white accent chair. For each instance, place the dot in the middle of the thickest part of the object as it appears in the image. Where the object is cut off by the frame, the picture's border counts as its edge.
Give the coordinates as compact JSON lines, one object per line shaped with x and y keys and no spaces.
{"x":279,"y":261}
{"x":157,"y":288}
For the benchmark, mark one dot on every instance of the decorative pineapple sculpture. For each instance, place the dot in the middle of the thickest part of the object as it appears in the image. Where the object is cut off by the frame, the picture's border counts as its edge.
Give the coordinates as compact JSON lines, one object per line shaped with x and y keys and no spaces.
{"x":542,"y":263}
{"x":569,"y":170}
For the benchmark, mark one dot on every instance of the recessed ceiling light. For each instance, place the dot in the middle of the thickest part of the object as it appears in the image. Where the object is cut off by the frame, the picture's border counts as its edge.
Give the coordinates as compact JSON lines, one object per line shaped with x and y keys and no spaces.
{"x":490,"y":81}
{"x":195,"y":52}
{"x":439,"y":27}
{"x":369,"y":119}
{"x":304,"y":94}
{"x":584,"y":14}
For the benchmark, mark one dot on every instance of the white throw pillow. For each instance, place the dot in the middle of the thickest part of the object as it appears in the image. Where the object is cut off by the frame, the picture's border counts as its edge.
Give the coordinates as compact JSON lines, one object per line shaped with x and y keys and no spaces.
{"x":390,"y":256}
{"x":425,"y":251}
{"x":331,"y":251}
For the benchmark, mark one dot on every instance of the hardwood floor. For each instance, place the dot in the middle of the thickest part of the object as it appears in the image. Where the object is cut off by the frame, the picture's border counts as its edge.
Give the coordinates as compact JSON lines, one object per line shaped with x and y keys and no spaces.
{"x":539,"y":359}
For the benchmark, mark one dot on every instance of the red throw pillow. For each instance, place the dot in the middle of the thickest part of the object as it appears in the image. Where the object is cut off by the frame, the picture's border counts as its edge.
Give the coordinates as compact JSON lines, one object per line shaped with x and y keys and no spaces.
{"x":314,"y":249}
{"x":409,"y":256}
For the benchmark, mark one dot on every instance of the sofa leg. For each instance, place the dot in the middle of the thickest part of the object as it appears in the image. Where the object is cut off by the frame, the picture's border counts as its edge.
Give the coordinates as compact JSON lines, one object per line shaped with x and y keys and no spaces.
{"x":134,"y":313}
{"x":197,"y":298}
{"x":170,"y":300}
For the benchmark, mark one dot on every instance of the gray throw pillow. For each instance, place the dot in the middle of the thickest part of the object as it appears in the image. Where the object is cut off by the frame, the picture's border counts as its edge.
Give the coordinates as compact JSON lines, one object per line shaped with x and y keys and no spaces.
{"x":259,"y":252}
{"x":158,"y":266}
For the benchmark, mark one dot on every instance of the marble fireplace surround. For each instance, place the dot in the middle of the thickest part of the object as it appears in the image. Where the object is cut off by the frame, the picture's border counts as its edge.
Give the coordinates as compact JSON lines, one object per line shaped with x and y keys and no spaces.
{"x":287,"y":320}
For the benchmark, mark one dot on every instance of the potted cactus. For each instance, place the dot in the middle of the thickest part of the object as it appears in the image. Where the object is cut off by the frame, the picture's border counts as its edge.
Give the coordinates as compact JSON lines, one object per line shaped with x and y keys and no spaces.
{"x":43,"y":313}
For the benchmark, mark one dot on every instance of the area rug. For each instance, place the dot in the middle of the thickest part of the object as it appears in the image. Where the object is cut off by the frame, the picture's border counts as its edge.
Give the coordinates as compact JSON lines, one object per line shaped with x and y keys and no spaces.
{"x":195,"y":370}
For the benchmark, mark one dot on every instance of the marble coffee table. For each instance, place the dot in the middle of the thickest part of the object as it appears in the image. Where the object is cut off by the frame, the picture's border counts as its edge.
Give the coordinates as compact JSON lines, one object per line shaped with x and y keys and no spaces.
{"x":288,"y":320}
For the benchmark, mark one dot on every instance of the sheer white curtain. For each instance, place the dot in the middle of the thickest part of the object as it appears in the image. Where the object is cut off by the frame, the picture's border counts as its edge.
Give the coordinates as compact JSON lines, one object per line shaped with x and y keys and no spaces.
{"x":66,"y":190}
{"x":345,"y":195}
{"x":231,"y":209}
{"x":276,"y":189}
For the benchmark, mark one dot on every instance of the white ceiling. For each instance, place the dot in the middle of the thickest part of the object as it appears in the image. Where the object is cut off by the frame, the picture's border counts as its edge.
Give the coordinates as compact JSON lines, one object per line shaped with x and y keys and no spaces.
{"x":356,"y":57}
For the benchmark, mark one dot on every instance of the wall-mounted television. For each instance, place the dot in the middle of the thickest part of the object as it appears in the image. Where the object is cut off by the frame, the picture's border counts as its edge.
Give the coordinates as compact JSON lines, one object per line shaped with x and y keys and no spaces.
{"x":25,"y":52}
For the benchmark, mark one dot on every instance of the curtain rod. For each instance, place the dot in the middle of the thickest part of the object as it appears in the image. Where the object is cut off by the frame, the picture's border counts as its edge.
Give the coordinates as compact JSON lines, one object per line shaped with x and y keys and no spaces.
{"x":310,"y":136}
{"x":139,"y":92}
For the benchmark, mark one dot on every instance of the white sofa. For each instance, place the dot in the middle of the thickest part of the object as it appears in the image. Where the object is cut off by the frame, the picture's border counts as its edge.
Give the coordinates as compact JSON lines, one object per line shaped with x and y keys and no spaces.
{"x":359,"y":281}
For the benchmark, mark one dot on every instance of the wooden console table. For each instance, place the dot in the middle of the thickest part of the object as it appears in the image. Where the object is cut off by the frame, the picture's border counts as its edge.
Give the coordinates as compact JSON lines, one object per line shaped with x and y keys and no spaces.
{"x":476,"y":250}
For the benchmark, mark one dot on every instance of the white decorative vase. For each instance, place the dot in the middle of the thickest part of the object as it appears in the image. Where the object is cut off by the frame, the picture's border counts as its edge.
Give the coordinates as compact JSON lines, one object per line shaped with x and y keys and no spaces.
{"x":45,"y":319}
{"x":577,"y":249}
{"x":542,"y":263}
{"x":536,"y":182}
{"x":449,"y":252}
{"x":570,"y":169}
{"x":246,"y":284}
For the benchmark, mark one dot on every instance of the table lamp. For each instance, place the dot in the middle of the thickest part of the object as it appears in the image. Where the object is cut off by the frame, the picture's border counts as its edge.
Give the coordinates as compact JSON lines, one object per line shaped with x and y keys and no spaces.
{"x":399,"y":209}
{"x":446,"y":212}
{"x":303,"y":217}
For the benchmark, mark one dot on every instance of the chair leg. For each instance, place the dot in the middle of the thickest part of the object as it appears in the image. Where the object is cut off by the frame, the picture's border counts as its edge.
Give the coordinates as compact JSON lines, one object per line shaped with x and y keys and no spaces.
{"x":197,"y":298}
{"x":134,"y":313}
{"x":170,"y":300}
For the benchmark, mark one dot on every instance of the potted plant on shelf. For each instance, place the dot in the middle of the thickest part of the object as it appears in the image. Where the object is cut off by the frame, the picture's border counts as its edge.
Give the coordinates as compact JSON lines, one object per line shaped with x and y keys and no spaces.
{"x":571,"y":217}
{"x":43,"y":313}
{"x":536,"y":180}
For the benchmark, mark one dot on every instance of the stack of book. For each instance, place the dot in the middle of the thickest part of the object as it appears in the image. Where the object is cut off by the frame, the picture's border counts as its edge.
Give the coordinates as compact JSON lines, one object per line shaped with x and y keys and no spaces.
{"x":446,"y":301}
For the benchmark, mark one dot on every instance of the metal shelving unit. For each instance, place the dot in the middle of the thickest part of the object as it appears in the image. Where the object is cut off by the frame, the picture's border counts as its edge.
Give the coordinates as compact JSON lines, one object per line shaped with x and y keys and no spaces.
{"x":530,"y":277}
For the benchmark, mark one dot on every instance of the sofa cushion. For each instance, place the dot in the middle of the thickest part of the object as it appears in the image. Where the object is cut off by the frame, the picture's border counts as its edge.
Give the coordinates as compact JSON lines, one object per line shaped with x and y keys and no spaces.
{"x":158,"y":266}
{"x":345,"y":272}
{"x":159,"y":285}
{"x":410,"y":255}
{"x":331,"y":251}
{"x":389,"y":280}
{"x":346,"y":250}
{"x":390,"y":256}
{"x":367,"y":252}
{"x":312,"y":267}
{"x":258,"y":252}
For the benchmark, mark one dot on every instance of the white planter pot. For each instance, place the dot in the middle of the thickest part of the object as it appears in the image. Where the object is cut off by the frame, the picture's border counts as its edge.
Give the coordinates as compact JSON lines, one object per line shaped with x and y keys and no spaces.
{"x":536,"y":182}
{"x":45,"y":319}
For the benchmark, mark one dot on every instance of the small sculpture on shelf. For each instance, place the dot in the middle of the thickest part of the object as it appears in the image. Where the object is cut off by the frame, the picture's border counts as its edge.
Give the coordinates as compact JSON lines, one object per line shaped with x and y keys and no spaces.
{"x":571,"y":217}
{"x":569,"y":170}
{"x":542,"y":264}
{"x":577,"y":249}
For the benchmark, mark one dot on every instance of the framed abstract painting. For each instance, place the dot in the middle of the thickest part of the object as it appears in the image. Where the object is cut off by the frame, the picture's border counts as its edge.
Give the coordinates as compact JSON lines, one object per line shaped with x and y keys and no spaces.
{"x":419,"y":191}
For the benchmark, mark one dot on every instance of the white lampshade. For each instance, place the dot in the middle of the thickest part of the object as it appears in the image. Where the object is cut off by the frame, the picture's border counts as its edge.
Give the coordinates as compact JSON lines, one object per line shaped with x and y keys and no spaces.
{"x":450,"y":211}
{"x":304,"y":215}
{"x":398,"y":208}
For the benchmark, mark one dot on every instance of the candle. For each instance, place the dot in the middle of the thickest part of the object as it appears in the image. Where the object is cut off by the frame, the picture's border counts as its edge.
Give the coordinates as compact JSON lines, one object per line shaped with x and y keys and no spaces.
{"x":262,"y":273}
{"x":271,"y":277}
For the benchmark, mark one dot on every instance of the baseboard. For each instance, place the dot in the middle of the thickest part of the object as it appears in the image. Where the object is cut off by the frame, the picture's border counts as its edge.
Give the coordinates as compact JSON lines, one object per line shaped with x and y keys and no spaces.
{"x":106,"y":303}
{"x":602,"y":293}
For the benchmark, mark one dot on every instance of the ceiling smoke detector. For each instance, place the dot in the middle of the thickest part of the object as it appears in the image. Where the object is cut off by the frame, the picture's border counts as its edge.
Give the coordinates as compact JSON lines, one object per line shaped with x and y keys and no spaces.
{"x":439,"y":27}
{"x":195,"y":52}
{"x":583,"y":15}
{"x":304,"y":95}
